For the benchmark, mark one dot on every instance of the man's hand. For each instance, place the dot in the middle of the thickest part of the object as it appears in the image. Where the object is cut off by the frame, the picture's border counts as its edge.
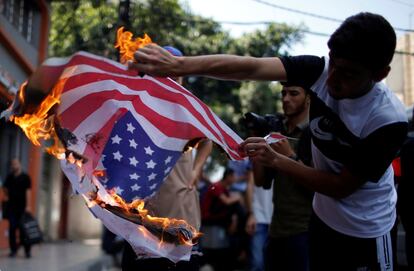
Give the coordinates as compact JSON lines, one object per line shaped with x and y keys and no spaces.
{"x":194,"y":180}
{"x":283,"y":147}
{"x":251,"y":224}
{"x":154,"y":60}
{"x":259,"y":151}
{"x":232,"y":229}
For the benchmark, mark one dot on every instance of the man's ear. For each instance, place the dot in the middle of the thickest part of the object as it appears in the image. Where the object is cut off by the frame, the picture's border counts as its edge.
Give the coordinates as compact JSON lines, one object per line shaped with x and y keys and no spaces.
{"x":381,"y":74}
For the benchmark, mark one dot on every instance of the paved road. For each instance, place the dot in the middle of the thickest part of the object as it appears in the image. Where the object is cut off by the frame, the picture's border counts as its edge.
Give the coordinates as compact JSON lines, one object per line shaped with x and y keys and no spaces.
{"x":87,"y":256}
{"x":59,"y":256}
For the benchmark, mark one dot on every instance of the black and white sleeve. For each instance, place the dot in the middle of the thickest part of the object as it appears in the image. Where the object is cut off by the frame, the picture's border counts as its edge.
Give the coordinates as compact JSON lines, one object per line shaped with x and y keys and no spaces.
{"x":303,"y":70}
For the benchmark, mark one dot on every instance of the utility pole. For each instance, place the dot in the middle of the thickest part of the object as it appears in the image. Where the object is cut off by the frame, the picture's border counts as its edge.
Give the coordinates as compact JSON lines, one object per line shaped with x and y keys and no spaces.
{"x":123,"y":14}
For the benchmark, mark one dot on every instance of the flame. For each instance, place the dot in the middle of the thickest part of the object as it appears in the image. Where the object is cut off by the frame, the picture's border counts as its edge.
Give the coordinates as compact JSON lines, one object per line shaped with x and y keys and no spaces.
{"x":99,"y":173}
{"x":127,"y":46}
{"x":137,"y":208}
{"x":40,"y":124}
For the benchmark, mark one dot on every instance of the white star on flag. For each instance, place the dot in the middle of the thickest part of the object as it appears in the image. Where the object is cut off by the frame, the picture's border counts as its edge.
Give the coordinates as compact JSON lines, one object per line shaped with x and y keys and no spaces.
{"x":130,"y":128}
{"x":134,"y":176}
{"x":168,"y":159}
{"x":119,"y":190}
{"x":148,"y":150}
{"x":152,"y":187}
{"x":132,"y":143}
{"x":133,"y":161}
{"x":116,"y":139}
{"x":135,"y":187}
{"x":151,"y":164}
{"x":152,"y":176}
{"x":167,"y":170}
{"x":117,"y":156}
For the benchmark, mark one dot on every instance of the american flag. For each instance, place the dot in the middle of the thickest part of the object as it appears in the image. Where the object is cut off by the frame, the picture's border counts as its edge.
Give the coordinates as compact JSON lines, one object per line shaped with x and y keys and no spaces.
{"x":134,"y":128}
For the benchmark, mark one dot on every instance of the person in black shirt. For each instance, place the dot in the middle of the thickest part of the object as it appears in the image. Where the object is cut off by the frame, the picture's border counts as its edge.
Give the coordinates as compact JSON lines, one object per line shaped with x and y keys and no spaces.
{"x":17,"y":190}
{"x":405,"y":194}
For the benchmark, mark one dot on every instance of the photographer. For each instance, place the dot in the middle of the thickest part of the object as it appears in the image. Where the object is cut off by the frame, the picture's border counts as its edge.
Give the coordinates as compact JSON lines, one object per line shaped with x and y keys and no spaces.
{"x":287,"y":247}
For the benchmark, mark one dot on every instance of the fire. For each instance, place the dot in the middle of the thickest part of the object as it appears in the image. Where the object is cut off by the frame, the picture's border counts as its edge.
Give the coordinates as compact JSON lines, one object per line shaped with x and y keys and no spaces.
{"x":162,"y":226}
{"x":127,"y":46}
{"x":40,"y":125}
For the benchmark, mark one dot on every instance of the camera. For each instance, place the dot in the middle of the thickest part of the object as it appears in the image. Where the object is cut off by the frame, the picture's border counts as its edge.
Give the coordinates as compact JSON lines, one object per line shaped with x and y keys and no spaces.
{"x":263,"y":125}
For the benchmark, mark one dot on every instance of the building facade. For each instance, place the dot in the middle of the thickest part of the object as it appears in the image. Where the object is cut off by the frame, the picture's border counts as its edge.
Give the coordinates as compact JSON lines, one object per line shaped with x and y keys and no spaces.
{"x":401,"y":77}
{"x":24,"y":30}
{"x":24,"y":27}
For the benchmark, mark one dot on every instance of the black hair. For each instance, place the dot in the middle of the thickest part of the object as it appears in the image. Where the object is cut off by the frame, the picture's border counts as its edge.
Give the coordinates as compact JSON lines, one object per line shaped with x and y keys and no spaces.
{"x":289,"y":84}
{"x":228,"y":171}
{"x":366,"y":38}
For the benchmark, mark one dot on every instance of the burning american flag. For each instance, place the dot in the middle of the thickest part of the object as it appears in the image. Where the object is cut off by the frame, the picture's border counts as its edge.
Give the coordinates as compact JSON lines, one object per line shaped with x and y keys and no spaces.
{"x":118,"y":136}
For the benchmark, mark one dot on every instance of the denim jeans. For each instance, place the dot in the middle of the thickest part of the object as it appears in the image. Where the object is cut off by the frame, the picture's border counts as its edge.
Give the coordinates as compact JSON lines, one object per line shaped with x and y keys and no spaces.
{"x":257,"y":246}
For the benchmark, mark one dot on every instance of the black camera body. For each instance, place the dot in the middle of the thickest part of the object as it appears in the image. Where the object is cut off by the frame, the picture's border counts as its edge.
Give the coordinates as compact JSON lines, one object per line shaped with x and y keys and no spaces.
{"x":263,"y":125}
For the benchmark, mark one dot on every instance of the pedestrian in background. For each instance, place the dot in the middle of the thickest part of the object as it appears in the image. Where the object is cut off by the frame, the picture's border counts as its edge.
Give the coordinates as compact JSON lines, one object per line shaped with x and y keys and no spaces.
{"x":406,"y":194}
{"x":219,"y":210}
{"x":17,"y":189}
{"x":259,"y":215}
{"x":288,"y":245}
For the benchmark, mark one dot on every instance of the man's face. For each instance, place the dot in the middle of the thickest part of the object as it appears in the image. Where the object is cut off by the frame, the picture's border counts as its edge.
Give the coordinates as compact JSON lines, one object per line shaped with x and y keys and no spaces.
{"x":348,"y":79}
{"x":231,"y":178}
{"x":15,"y":166}
{"x":294,"y":100}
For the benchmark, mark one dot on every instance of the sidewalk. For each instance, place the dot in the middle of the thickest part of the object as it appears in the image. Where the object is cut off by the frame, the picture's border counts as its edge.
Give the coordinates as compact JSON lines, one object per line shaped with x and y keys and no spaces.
{"x":59,"y":256}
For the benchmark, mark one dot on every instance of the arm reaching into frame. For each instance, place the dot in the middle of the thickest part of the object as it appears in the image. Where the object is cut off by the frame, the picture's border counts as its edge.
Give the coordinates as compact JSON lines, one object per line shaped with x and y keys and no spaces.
{"x":156,"y":61}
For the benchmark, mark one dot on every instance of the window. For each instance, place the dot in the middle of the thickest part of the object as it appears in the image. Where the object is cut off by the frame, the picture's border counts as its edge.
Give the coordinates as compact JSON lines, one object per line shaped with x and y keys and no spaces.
{"x":20,"y":14}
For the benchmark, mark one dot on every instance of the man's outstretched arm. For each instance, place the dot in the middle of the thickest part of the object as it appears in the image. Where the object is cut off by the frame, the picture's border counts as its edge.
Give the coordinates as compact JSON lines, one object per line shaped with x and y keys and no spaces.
{"x":156,"y":61}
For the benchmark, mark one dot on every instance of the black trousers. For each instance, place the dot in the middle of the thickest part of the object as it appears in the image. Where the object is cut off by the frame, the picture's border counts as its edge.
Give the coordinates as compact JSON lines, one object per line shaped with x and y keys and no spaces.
{"x":14,"y":226}
{"x":288,"y":253}
{"x":332,"y":250}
